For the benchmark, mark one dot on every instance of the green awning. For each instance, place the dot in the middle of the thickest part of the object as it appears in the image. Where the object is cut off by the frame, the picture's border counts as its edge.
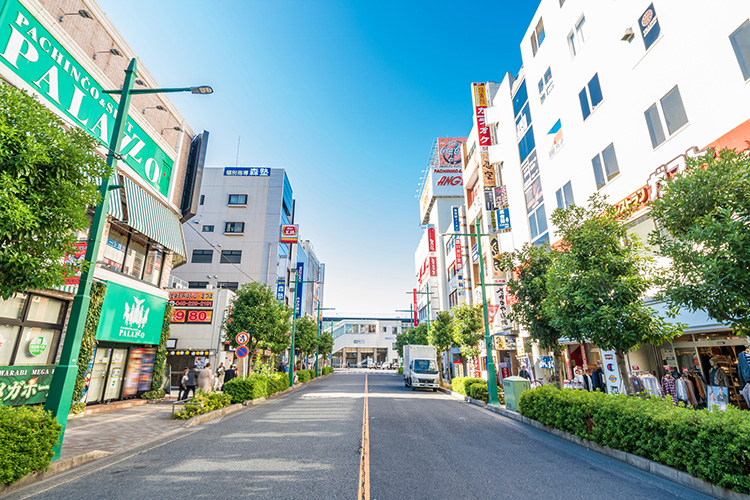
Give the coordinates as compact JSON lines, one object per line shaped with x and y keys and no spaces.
{"x":153,"y":219}
{"x":115,"y":203}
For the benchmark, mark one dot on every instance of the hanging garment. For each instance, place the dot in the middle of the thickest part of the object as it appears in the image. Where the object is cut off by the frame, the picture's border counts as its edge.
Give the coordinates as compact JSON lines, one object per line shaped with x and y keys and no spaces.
{"x":651,"y":384}
{"x":718,"y":377}
{"x":681,"y":389}
{"x":743,"y":368}
{"x":698,"y":385}
{"x":637,"y":385}
{"x":668,"y":387}
{"x":597,"y":380}
{"x":746,"y":393}
{"x":691,"y":398}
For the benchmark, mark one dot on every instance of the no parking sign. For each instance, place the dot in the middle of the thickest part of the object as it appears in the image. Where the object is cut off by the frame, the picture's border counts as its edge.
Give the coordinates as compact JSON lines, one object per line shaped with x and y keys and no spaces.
{"x":241,"y":351}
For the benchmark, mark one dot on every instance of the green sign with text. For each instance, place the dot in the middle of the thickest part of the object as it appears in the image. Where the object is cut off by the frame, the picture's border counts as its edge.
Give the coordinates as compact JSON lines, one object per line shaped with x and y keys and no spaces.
{"x":35,"y":56}
{"x":25,"y":384}
{"x":131,"y":316}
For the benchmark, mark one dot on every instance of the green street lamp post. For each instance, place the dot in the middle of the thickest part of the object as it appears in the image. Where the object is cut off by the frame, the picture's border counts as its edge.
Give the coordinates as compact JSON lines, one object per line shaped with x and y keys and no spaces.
{"x":491,"y":373}
{"x":63,"y":381}
{"x":320,"y":323}
{"x":429,"y":299}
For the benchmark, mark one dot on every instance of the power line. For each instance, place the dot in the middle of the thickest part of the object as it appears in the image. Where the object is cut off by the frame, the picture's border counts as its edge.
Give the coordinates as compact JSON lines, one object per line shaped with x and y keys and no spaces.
{"x":215,"y":250}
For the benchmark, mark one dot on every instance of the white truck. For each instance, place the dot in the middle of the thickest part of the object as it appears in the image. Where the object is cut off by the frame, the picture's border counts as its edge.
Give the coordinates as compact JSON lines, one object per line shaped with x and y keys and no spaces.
{"x":420,"y":367}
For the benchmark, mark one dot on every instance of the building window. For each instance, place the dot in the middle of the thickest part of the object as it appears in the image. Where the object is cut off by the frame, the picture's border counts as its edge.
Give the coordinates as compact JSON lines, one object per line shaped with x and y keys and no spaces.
{"x":234,"y":227}
{"x":237,"y":199}
{"x":590,"y":97}
{"x":202,"y":256}
{"x":31,"y":327}
{"x":577,"y":37}
{"x":114,"y":252}
{"x":493,"y":133}
{"x":208,"y":229}
{"x":538,"y":222}
{"x":135,"y":257}
{"x":537,"y":36}
{"x":203,"y":198}
{"x":741,"y":44}
{"x":197,"y":284}
{"x":152,"y":273}
{"x":673,"y":113}
{"x":546,"y":85}
{"x":230,"y":256}
{"x":229,"y":285}
{"x":565,"y":196}
{"x":607,"y":159}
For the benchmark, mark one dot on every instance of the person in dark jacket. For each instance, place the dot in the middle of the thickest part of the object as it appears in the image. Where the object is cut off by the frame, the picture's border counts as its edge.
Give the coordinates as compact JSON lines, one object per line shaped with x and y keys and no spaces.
{"x":229,"y":374}
{"x":192,"y":380}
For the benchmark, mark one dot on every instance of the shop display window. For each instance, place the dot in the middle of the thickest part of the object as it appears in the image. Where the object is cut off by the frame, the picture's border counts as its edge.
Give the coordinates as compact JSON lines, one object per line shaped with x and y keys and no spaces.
{"x":135,"y":258}
{"x":114,"y":251}
{"x":30,"y":329}
{"x":154,"y":261}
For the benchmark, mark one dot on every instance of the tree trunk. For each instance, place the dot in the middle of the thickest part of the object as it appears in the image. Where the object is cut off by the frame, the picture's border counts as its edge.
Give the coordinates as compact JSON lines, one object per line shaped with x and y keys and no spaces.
{"x":559,"y":368}
{"x":620,"y":355}
{"x":440,"y":369}
{"x":464,"y":365}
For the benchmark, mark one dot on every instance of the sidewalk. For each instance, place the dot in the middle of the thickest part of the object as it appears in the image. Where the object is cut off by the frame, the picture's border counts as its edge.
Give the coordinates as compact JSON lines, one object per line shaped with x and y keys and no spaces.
{"x":118,"y":429}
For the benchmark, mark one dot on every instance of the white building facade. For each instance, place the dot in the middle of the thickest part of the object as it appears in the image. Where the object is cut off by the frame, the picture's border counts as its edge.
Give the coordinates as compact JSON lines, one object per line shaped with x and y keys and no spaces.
{"x":361,"y":342}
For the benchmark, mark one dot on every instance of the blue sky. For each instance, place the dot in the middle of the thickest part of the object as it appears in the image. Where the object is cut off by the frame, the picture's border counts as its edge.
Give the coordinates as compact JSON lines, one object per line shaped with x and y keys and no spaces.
{"x":347,"y":96}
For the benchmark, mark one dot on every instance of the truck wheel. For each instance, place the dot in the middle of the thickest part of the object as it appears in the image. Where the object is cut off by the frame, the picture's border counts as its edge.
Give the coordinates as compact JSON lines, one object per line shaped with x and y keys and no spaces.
{"x":434,"y":389}
{"x":413,"y":388}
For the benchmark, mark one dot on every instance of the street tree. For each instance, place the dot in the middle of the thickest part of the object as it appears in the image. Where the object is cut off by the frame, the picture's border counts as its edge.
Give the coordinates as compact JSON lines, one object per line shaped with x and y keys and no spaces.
{"x":306,"y":336}
{"x":325,"y":344}
{"x":412,"y":336}
{"x":597,"y":283}
{"x":528,"y":268}
{"x":441,"y":336}
{"x":703,"y":216}
{"x":48,"y":181}
{"x":256,"y":312}
{"x":468,"y":330}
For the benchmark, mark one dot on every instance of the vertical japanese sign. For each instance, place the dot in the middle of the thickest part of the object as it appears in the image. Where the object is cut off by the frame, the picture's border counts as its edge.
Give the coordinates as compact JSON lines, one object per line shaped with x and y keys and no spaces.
{"x":416,"y":310}
{"x":300,"y":278}
{"x":483,"y":133}
{"x":280,"y":289}
{"x":495,"y":264}
{"x":431,"y":239}
{"x":459,"y":254}
{"x":456,"y":219}
{"x":75,"y":259}
{"x":433,"y":267}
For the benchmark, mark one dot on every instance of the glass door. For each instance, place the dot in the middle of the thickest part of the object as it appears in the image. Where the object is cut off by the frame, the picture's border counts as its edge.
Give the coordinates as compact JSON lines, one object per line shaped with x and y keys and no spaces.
{"x":98,"y":375}
{"x":116,"y":374}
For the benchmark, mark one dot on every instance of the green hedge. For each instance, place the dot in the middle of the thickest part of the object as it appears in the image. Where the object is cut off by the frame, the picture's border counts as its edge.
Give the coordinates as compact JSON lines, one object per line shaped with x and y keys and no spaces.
{"x":211,"y":401}
{"x":255,"y":386}
{"x":478,"y":390}
{"x":461,"y":384}
{"x":27,"y":435}
{"x":305,"y":375}
{"x":154,"y":394}
{"x":711,"y":445}
{"x":327,"y":370}
{"x":401,"y":371}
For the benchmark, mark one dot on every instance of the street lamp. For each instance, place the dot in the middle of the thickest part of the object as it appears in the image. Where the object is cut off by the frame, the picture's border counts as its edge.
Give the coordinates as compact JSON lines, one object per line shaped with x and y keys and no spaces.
{"x":63,"y":381}
{"x":429,"y":299}
{"x":491,"y":374}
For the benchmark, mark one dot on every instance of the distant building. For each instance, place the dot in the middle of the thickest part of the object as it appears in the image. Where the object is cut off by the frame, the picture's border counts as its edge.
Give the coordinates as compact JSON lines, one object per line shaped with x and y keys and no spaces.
{"x":362,"y":341}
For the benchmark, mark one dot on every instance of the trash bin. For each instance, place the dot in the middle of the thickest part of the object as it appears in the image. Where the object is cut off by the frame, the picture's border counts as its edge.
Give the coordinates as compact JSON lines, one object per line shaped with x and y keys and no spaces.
{"x":513,"y":387}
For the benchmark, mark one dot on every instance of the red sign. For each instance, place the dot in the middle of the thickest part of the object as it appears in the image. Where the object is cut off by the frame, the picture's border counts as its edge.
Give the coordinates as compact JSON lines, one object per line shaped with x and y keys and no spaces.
{"x":433,"y":266}
{"x":449,"y":149}
{"x":416,"y":320}
{"x":431,"y":239}
{"x":289,"y":233}
{"x":480,"y":106}
{"x":242,"y":338}
{"x":492,"y":312}
{"x":448,"y":180}
{"x":75,"y":259}
{"x":459,"y":254}
{"x":504,"y":371}
{"x":191,"y":316}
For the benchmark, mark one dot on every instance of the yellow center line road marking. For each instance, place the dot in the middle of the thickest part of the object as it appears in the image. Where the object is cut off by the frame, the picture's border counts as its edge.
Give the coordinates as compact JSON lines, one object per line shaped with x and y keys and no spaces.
{"x":364,"y":463}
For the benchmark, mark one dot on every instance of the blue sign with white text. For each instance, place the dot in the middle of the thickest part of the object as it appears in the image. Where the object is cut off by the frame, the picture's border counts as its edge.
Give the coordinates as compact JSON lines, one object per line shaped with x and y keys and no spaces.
{"x":280,"y":290}
{"x":247,"y":171}
{"x":300,"y":278}
{"x":456,"y":220}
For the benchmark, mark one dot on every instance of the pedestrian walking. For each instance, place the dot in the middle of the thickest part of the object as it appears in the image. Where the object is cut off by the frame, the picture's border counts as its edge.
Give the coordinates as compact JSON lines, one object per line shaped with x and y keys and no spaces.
{"x":229,"y":374}
{"x":205,"y":377}
{"x":219,"y":378}
{"x":191,"y":378}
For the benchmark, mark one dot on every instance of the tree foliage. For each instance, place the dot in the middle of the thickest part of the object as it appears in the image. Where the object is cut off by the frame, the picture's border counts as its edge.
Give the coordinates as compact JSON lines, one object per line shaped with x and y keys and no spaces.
{"x":704,"y":221}
{"x":256,"y":312}
{"x":325,"y":343}
{"x":306,"y":335}
{"x":597,"y":284}
{"x":441,"y":335}
{"x":48,"y":178}
{"x":468,"y":328}
{"x":529,"y":268}
{"x":412,"y":336}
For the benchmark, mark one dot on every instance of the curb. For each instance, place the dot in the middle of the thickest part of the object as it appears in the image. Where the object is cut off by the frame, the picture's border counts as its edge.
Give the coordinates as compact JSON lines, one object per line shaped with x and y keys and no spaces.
{"x":55,"y":468}
{"x":212,"y":415}
{"x":663,"y":471}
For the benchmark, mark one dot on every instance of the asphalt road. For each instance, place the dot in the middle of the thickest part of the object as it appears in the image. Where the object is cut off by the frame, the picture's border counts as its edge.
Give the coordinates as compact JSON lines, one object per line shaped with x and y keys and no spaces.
{"x":306,"y":445}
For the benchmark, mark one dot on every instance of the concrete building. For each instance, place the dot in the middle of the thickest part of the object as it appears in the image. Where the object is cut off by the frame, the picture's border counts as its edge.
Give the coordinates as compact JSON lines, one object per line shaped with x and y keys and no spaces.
{"x":234,"y":238}
{"x":438,"y":266}
{"x":610,"y":99}
{"x":360,"y":342}
{"x":67,"y":54}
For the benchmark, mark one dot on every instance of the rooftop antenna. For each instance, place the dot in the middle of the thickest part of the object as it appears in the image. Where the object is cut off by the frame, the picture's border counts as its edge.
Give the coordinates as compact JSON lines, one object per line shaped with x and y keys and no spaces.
{"x":237,"y":160}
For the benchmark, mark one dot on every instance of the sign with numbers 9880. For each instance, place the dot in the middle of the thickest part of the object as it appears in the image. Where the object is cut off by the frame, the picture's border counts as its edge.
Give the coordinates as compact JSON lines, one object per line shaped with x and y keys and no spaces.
{"x":191,"y":316}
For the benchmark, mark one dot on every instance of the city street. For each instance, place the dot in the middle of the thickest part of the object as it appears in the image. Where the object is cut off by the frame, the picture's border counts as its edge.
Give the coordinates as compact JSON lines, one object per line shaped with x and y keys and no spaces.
{"x":306,"y":444}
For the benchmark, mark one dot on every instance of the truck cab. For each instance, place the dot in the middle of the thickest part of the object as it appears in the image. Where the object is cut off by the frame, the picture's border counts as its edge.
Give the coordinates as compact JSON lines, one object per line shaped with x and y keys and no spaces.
{"x":420,"y":367}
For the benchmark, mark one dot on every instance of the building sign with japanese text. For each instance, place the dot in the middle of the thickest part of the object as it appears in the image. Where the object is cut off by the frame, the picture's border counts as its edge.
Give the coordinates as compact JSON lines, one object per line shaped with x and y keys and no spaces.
{"x":25,"y":384}
{"x":247,"y":171}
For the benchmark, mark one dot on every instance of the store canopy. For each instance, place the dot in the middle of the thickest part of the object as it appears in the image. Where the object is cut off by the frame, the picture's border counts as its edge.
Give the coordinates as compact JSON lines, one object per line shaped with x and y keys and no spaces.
{"x":115,"y":203}
{"x":153,"y":219}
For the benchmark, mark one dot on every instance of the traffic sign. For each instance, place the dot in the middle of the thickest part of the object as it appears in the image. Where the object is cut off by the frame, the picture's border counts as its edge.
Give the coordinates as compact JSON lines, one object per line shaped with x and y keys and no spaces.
{"x":242,"y":338}
{"x":241,"y":351}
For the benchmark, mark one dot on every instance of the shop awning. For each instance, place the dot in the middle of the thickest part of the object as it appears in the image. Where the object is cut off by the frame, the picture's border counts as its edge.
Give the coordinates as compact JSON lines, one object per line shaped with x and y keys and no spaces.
{"x":153,"y":219}
{"x":115,"y":203}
